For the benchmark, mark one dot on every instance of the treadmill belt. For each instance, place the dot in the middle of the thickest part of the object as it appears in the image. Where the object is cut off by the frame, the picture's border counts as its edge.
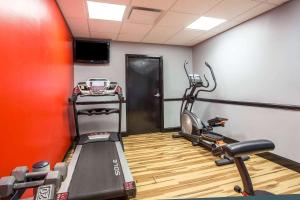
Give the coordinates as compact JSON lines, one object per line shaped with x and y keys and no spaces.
{"x":98,"y":174}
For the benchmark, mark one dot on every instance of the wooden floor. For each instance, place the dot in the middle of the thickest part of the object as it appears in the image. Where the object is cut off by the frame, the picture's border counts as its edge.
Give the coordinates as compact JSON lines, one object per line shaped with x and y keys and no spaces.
{"x":164,"y":167}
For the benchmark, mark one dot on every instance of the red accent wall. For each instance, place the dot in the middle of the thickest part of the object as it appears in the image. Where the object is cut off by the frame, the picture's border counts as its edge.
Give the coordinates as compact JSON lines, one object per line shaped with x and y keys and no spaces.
{"x":36,"y":79}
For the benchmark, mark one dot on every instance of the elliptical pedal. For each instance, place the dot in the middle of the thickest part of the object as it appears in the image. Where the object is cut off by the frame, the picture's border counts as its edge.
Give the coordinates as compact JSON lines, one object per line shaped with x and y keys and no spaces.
{"x":176,"y":135}
{"x":194,"y":143}
{"x":213,"y":137}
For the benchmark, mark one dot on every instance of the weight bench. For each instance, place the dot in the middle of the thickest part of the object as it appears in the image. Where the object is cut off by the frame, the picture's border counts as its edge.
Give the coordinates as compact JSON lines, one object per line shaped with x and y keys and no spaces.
{"x":240,"y":149}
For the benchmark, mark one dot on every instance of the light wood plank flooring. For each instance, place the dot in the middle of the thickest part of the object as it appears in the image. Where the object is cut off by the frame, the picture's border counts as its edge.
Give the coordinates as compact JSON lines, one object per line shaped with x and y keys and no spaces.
{"x":164,"y":167}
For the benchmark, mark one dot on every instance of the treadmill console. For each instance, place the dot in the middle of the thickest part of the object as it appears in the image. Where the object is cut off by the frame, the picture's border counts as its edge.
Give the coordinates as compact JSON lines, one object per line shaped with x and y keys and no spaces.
{"x":97,"y":86}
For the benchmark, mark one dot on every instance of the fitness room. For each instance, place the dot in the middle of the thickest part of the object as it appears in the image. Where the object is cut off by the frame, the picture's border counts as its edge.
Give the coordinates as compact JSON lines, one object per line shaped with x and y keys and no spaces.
{"x":150,"y":99}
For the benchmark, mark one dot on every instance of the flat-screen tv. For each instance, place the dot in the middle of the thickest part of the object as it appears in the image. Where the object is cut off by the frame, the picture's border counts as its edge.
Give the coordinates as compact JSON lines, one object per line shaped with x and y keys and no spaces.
{"x":91,"y":51}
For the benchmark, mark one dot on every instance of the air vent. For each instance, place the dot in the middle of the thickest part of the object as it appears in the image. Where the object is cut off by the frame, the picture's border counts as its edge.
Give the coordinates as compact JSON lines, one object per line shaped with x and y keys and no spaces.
{"x":143,"y":15}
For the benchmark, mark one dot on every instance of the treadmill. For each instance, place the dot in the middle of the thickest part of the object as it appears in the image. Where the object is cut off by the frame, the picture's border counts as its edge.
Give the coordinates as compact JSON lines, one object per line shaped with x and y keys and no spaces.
{"x":98,"y":168}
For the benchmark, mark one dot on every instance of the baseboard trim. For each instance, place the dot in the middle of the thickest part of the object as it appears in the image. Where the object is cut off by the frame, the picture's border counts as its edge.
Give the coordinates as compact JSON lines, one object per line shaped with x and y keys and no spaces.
{"x":285,"y":162}
{"x":165,"y":130}
{"x":124,"y":134}
{"x":171,"y":129}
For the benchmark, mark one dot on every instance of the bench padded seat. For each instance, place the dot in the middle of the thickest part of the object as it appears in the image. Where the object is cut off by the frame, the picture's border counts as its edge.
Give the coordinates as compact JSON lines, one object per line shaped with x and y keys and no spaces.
{"x":248,"y":147}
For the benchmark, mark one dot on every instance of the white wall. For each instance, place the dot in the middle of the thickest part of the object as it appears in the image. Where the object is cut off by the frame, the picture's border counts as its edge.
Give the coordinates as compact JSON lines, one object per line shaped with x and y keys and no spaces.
{"x":257,"y":61}
{"x":174,"y":79}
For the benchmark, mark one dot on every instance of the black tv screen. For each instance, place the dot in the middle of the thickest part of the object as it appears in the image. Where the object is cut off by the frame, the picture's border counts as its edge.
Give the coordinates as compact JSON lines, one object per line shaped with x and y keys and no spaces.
{"x":89,"y":51}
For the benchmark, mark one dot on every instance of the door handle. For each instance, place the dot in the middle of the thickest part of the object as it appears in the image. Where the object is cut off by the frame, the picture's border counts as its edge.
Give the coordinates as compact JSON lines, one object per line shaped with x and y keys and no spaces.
{"x":157,"y":95}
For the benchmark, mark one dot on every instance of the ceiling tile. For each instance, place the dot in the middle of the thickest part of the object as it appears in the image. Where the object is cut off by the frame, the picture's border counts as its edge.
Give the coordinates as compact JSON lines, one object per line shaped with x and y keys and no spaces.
{"x":141,"y":29}
{"x":77,"y":23}
{"x":194,"y":6}
{"x":80,"y":33}
{"x":184,"y":36}
{"x":181,"y":43}
{"x":79,"y":27}
{"x":104,"y":35}
{"x":264,"y":7}
{"x":231,"y":8}
{"x":104,"y":26}
{"x":223,"y":27}
{"x":73,"y":8}
{"x":190,"y":43}
{"x":121,"y":2}
{"x":261,"y":1}
{"x":201,"y":38}
{"x":160,"y":34}
{"x":156,"y":4}
{"x":277,"y":2}
{"x":170,"y":28}
{"x":143,"y":17}
{"x":130,"y":37}
{"x":175,"y":19}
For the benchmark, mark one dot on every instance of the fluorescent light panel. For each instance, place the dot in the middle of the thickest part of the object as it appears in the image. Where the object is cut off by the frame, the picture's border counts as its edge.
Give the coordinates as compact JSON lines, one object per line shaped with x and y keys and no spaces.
{"x":205,"y":23}
{"x":105,"y":11}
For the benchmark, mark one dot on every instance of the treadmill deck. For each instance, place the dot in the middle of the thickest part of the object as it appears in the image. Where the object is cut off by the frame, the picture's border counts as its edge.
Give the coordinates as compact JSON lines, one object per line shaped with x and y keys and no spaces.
{"x":105,"y":181}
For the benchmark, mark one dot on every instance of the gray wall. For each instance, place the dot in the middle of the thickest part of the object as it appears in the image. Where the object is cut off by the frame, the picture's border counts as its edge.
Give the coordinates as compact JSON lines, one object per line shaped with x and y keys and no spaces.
{"x":174,"y":79}
{"x":257,"y":61}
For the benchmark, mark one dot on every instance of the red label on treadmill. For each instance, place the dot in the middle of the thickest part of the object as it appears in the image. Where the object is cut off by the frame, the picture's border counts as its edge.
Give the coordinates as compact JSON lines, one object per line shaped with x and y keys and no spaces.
{"x":245,"y":194}
{"x":129,"y":185}
{"x":62,"y":196}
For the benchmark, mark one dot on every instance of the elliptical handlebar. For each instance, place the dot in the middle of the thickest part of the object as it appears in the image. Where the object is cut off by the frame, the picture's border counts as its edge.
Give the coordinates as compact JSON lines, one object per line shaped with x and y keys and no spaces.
{"x":201,"y":84}
{"x":207,"y":90}
{"x":207,"y":83}
{"x":213,"y":76}
{"x":186,"y":72}
{"x":195,"y":83}
{"x":214,"y":79}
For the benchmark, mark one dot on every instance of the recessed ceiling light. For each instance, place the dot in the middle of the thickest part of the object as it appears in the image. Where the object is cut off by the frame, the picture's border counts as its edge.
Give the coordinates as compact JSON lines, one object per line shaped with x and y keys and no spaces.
{"x":105,"y":11}
{"x":205,"y":23}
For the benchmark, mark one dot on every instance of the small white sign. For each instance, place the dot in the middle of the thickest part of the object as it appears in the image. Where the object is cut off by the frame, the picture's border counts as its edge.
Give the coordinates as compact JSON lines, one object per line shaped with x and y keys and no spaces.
{"x":100,"y":136}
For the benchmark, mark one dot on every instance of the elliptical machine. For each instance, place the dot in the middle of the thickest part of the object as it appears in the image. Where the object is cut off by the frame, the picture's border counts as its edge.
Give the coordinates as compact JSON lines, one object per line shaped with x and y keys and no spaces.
{"x":195,"y":130}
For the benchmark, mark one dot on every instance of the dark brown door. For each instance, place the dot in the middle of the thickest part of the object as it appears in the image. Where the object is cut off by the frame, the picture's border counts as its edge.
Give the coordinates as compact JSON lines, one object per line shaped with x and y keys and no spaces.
{"x":143,"y":94}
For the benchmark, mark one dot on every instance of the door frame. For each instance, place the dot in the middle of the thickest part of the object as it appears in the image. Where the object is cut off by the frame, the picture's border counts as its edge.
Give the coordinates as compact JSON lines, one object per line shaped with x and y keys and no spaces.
{"x":161,"y":85}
